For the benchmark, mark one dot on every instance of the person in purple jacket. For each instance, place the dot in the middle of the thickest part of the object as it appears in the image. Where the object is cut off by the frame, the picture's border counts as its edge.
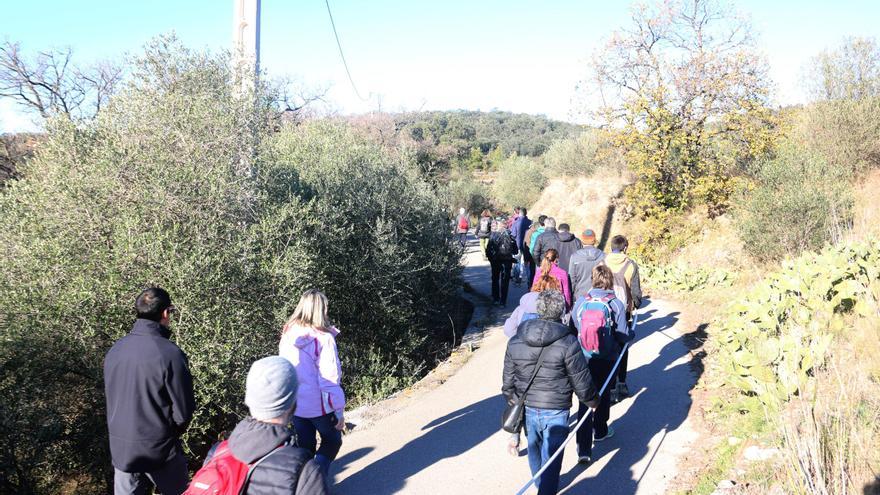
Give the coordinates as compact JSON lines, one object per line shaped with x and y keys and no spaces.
{"x":309,"y":343}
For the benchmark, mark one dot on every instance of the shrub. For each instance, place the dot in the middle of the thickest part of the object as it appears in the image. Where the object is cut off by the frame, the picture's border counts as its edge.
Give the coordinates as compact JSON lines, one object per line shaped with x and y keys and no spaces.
{"x":799,"y":203}
{"x":519,"y":183}
{"x":468,"y":193}
{"x":164,"y":189}
{"x":580,"y":156}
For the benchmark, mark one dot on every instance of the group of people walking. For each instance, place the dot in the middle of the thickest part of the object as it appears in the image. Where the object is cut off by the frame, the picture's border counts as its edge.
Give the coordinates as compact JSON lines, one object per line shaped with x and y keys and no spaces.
{"x":566,"y":333}
{"x":293,"y":398}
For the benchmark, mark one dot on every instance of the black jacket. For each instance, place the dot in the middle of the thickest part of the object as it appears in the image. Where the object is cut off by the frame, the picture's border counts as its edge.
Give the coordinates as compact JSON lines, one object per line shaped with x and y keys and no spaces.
{"x":581,"y":270}
{"x":286,"y":472}
{"x":149,"y":395}
{"x":568,"y":245}
{"x":549,"y":239}
{"x":564,"y":369}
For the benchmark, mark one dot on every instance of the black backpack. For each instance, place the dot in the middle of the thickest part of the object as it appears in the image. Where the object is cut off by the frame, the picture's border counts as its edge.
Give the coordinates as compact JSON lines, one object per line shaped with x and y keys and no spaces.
{"x":506,"y":245}
{"x":485,"y":225}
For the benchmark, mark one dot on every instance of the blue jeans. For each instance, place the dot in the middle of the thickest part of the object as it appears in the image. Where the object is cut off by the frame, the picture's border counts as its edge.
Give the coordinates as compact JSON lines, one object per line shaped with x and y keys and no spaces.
{"x":307,"y":430}
{"x":517,"y":267}
{"x":546,"y":429}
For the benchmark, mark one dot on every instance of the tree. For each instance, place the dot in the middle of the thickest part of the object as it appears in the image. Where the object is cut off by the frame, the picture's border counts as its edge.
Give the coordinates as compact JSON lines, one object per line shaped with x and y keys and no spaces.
{"x":51,"y":84}
{"x":849,"y":72}
{"x":680,"y":82}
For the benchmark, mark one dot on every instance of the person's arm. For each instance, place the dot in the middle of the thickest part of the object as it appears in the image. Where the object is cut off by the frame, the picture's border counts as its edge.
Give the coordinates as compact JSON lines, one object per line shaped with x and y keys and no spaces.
{"x":566,"y":290}
{"x":579,"y":374}
{"x":511,"y":323}
{"x":179,"y":384}
{"x":537,"y":253}
{"x":311,"y":480}
{"x":508,"y":377}
{"x":635,"y":286}
{"x":621,"y":333}
{"x":329,"y":376}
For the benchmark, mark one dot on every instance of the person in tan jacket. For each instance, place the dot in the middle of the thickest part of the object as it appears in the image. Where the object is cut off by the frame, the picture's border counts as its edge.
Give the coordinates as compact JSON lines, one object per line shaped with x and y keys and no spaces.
{"x":623,"y":267}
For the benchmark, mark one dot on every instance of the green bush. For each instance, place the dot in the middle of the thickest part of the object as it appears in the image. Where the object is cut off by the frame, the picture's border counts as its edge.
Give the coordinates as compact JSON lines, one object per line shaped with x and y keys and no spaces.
{"x":582,"y":155}
{"x":680,"y":277}
{"x":799,"y":203}
{"x":164,"y":189}
{"x":520,"y":181}
{"x":468,"y":193}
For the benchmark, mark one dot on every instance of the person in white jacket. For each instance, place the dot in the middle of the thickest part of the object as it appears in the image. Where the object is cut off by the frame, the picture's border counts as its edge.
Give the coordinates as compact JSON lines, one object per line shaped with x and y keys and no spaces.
{"x":309,"y":343}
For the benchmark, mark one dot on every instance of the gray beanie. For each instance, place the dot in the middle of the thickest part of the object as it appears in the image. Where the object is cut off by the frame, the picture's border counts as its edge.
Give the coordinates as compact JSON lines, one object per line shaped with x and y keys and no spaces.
{"x":270,"y":389}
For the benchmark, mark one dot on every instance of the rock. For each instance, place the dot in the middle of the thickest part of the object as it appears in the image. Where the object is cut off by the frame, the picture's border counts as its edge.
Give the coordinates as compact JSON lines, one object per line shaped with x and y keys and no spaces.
{"x":755,"y":453}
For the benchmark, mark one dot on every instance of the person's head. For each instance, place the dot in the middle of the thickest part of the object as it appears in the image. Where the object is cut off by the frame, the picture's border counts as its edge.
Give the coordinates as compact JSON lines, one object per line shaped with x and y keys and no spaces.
{"x":485,"y":213}
{"x":461,"y":211}
{"x":550,"y":305}
{"x":547,"y":282}
{"x":524,"y":212}
{"x":311,"y":311}
{"x":619,"y":243}
{"x":564,"y":227}
{"x":541,"y":220}
{"x":602,"y":277}
{"x":270,"y":390}
{"x":589,"y":237}
{"x":516,"y":210}
{"x":547,"y":262}
{"x":550,"y":223}
{"x":154,"y":304}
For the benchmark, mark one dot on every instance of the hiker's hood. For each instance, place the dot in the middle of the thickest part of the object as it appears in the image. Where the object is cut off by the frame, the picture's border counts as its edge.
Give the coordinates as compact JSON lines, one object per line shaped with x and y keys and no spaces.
{"x":565,"y":236}
{"x":252,"y":439}
{"x":303,"y":336}
{"x":541,"y":333}
{"x":615,"y":260}
{"x":590,"y":253}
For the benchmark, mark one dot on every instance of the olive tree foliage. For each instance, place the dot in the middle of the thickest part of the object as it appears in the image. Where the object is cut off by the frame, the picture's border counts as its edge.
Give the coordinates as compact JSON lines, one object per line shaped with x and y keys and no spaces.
{"x":180,"y":182}
{"x":581,"y":156}
{"x":687,"y":89}
{"x":519,"y":182}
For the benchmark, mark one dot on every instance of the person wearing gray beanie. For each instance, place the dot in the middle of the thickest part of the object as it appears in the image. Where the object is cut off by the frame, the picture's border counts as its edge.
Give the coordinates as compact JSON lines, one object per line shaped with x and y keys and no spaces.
{"x":270,"y":389}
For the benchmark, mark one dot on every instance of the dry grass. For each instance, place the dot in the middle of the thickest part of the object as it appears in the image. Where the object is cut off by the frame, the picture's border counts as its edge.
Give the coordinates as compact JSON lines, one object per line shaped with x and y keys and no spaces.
{"x":866,"y":218}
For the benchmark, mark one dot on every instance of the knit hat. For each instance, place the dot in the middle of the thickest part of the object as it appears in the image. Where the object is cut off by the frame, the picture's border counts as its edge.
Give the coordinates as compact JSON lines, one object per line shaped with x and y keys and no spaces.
{"x":270,"y":389}
{"x":589,"y":237}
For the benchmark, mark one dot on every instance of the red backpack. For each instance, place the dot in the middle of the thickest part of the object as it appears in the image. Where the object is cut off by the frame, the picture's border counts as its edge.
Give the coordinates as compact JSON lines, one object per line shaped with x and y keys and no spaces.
{"x":223,"y":474}
{"x":463,"y":222}
{"x":597,"y":323}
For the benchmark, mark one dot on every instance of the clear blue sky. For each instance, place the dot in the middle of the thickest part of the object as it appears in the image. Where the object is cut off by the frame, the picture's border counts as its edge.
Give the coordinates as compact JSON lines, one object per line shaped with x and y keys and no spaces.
{"x":517,"y":55}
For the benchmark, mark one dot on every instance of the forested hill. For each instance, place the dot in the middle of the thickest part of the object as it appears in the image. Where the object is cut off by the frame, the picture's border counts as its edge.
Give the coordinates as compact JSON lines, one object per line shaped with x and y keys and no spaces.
{"x":465,"y":138}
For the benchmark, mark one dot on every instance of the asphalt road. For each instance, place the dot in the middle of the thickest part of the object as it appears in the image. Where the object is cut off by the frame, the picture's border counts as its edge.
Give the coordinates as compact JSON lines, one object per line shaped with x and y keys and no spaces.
{"x":450,"y":442}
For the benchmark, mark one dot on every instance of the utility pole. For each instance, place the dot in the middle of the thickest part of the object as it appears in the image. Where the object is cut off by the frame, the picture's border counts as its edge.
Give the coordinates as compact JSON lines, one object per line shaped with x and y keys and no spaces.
{"x":246,"y":40}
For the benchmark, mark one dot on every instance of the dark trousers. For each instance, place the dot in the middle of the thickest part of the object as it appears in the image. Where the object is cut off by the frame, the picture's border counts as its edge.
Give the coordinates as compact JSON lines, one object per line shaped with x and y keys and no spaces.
{"x":307,"y":430}
{"x":500,"y":279}
{"x":462,"y":238}
{"x":621,"y":371}
{"x":532,"y":270}
{"x":599,"y":371}
{"x":170,"y":479}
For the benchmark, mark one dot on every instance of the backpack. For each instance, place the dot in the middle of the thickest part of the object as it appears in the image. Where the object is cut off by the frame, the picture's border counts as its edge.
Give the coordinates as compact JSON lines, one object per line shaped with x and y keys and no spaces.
{"x":463,"y":222}
{"x":223,"y":474}
{"x":621,"y":287}
{"x":485,"y":225}
{"x":506,"y":245}
{"x":597,"y":324}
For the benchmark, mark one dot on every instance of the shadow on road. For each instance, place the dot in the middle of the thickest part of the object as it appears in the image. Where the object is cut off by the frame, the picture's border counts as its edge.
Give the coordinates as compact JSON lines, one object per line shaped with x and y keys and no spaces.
{"x":446,"y":436}
{"x":661,"y":401}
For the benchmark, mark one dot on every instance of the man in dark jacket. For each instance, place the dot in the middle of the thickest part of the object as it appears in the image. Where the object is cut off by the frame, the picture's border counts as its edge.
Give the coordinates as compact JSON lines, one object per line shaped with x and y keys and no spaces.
{"x":501,"y":252}
{"x":150,"y":401}
{"x":568,"y":245}
{"x":270,"y":395}
{"x":563,"y":371}
{"x":582,"y":263}
{"x":549,"y":239}
{"x":518,"y":231}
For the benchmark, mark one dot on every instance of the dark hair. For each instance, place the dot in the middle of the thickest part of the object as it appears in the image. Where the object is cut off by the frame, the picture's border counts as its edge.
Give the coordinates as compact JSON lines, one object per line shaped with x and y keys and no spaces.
{"x":486,"y":213}
{"x":523,"y":211}
{"x":619,"y":243}
{"x":516,"y":209}
{"x":564,"y":227}
{"x":541,"y":219}
{"x":150,"y":303}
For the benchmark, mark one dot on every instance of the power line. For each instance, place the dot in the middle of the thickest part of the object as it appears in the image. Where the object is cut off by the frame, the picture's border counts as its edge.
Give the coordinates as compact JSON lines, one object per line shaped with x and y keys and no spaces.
{"x":341,"y":54}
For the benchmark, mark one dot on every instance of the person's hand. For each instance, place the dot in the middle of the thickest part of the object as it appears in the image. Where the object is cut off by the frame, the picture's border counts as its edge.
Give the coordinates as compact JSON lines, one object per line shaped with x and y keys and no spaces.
{"x":340,"y":422}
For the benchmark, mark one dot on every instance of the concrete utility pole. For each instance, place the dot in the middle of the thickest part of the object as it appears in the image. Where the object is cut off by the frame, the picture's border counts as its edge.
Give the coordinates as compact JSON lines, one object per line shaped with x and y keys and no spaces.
{"x":246,"y":39}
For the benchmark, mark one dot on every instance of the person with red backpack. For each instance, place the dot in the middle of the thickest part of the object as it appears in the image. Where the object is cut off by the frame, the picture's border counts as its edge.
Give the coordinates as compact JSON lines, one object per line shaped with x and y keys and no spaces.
{"x":462,"y":224}
{"x":600,"y":320}
{"x":260,"y":456}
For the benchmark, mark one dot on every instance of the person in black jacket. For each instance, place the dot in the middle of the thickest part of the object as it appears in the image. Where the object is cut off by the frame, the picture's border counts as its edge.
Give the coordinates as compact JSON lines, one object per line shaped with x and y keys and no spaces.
{"x":150,"y":401}
{"x":549,"y":239}
{"x":568,"y":245}
{"x":270,"y":394}
{"x":563,"y":371}
{"x":501,"y":251}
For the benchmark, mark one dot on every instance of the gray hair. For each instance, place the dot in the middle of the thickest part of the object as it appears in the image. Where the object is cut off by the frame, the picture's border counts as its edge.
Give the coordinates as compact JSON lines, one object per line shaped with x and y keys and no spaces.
{"x":550,"y":305}
{"x":550,"y":222}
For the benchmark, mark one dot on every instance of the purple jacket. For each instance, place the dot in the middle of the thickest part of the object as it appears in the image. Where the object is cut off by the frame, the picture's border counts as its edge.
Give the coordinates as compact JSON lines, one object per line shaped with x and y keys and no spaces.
{"x":528,"y":303}
{"x":562,"y":276}
{"x":313,"y":354}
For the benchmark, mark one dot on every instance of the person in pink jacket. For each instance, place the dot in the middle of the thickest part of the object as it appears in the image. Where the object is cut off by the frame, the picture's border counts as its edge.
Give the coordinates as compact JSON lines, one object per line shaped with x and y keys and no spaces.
{"x":308,"y":341}
{"x":550,"y":268}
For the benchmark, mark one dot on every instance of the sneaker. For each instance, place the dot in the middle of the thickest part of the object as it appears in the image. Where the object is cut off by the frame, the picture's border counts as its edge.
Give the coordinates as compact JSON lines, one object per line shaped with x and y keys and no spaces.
{"x":614,"y":396}
{"x":584,"y":459}
{"x":607,"y":435}
{"x":622,"y":390}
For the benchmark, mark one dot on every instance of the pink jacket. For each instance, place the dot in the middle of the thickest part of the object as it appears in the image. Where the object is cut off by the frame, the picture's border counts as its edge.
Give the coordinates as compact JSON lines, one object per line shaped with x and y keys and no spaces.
{"x":562,"y":276}
{"x":313,"y":354}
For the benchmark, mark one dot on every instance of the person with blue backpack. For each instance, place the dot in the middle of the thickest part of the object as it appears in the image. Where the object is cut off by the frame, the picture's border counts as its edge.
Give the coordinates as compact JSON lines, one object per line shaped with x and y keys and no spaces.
{"x":601,"y":322}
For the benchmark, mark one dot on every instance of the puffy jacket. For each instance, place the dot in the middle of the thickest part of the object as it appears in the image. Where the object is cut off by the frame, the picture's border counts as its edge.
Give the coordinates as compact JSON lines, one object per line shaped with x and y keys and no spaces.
{"x":568,"y":245}
{"x":580,"y":269}
{"x":615,"y":261}
{"x":563,"y":371}
{"x":528,"y":303}
{"x":558,"y":274}
{"x":549,"y":239}
{"x":519,"y":229}
{"x":288,"y":471}
{"x":622,"y":332}
{"x":150,"y":400}
{"x":313,"y":353}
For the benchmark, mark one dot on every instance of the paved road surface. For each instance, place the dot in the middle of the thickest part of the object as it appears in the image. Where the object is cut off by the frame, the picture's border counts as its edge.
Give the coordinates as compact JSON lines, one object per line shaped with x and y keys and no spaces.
{"x":449,"y":442}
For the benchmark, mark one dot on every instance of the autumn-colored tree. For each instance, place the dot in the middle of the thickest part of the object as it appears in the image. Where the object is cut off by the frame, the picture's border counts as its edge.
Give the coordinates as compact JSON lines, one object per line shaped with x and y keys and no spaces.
{"x":687,"y":91}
